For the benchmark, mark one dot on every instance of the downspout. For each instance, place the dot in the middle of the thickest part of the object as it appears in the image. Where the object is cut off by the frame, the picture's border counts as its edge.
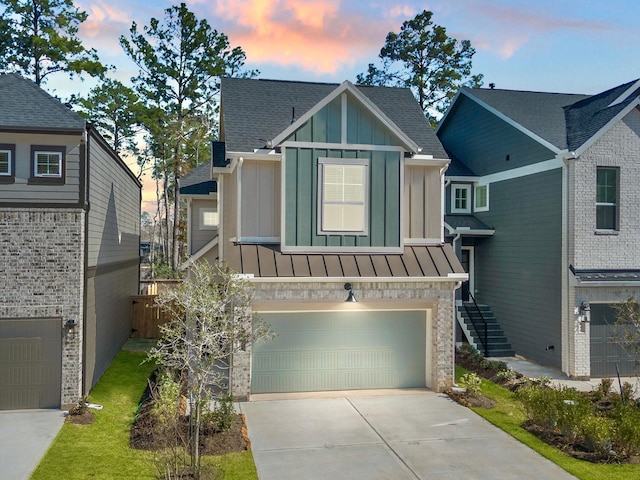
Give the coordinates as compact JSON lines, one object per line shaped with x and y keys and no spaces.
{"x":239,"y":200}
{"x":566,"y":317}
{"x":219,"y":181}
{"x":86,"y":207}
{"x":444,"y":183}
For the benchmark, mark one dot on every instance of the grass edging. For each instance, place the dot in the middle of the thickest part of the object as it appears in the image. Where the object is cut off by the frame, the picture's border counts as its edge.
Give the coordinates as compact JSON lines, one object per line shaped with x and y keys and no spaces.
{"x":101,"y":450}
{"x":508,"y":415}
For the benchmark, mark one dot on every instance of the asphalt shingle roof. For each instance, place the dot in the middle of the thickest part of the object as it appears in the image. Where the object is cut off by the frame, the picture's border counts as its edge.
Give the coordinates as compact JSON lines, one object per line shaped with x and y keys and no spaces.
{"x":256,"y":111}
{"x":198,"y":181}
{"x":24,"y":105}
{"x":539,"y":112}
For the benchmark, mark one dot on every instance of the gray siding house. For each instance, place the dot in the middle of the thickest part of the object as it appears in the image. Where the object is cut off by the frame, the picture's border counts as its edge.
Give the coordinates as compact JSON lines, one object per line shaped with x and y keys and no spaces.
{"x":324,"y":192}
{"x":69,"y":258}
{"x":542,"y":209}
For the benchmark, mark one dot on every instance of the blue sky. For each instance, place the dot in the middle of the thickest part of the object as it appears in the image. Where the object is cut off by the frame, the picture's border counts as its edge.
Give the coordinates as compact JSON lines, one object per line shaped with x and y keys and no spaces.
{"x":573,"y":46}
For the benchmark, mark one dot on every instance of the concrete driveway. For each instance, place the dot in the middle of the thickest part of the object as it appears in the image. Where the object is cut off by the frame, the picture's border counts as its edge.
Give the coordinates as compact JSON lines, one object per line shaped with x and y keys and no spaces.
{"x":411,"y":436}
{"x":25,"y":436}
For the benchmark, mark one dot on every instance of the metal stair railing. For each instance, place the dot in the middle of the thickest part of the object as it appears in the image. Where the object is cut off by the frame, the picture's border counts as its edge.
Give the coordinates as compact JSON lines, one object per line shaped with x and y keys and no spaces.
{"x":484,"y":339}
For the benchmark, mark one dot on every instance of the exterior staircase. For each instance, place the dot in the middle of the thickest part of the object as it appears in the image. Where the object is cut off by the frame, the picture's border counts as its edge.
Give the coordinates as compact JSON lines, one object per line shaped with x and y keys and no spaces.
{"x":483,"y":330}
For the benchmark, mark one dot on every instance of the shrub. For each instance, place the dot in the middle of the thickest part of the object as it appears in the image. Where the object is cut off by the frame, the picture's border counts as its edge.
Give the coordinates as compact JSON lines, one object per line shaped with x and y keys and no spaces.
{"x":627,"y":438}
{"x":506,"y":375}
{"x":472,"y":382}
{"x":599,"y":433}
{"x":223,"y":412}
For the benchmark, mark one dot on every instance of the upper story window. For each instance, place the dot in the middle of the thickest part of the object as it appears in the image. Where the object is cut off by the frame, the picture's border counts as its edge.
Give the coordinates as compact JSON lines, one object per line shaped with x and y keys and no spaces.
{"x":47,"y":164}
{"x":343,"y":189}
{"x":607,"y":183}
{"x":7,"y":163}
{"x":481,"y":198}
{"x":460,"y":198}
{"x":208,"y":218}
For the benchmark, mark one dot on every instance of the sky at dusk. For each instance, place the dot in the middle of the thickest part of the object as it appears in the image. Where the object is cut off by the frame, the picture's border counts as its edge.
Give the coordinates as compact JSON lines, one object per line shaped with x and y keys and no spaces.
{"x":576,"y":46}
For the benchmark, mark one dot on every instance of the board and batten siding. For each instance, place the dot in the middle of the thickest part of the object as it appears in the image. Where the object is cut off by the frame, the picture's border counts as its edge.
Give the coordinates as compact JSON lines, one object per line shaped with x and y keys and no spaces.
{"x":486,"y":143}
{"x":114,"y":215}
{"x":422,"y":203}
{"x":21,"y":192}
{"x":260,"y":217}
{"x":518,"y":270}
{"x":301,"y":199}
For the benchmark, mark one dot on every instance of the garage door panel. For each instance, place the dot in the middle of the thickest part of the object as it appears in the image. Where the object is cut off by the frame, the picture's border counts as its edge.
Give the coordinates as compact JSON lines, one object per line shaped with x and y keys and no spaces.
{"x":315,"y":351}
{"x":30,"y":363}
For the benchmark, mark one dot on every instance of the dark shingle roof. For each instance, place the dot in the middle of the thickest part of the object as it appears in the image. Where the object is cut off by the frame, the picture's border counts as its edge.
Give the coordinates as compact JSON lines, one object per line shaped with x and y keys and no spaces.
{"x":256,"y":111}
{"x":198,"y":181}
{"x":586,"y":117}
{"x":539,"y":112}
{"x":465,"y":221}
{"x":24,"y":105}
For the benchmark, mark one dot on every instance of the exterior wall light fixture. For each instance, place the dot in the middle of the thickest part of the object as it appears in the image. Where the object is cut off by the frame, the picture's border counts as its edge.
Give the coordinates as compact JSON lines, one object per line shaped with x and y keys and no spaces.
{"x":351,"y":298}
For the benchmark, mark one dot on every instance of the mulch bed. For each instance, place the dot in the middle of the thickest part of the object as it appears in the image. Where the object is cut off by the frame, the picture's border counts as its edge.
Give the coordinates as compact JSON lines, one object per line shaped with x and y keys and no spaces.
{"x":471,"y":401}
{"x":85,"y":417}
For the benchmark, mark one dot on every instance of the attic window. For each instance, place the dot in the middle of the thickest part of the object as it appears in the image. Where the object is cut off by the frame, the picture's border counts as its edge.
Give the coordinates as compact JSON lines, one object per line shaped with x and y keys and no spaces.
{"x":460,"y":198}
{"x":7,"y":163}
{"x":343,"y":188}
{"x":47,"y":164}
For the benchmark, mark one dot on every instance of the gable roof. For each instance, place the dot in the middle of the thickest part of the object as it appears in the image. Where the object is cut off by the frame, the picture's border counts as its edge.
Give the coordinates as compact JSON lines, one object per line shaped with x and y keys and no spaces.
{"x":255,"y":112}
{"x":198,"y":181}
{"x":25,"y":106}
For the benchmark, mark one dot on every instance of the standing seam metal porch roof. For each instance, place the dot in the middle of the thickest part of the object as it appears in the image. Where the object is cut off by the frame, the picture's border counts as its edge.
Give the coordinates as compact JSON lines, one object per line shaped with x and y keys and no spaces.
{"x":266,"y":261}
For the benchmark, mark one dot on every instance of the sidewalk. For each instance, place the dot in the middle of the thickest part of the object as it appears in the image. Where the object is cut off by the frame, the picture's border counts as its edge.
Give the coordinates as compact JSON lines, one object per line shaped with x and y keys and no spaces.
{"x":533,"y":370}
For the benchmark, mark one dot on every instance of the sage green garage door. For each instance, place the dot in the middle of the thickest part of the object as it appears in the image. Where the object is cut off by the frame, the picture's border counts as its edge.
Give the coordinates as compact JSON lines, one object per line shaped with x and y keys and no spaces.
{"x":315,"y":351}
{"x":30,"y":363}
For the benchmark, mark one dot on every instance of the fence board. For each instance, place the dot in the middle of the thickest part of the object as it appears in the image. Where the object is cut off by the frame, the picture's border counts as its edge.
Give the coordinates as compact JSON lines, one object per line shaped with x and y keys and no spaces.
{"x":146,"y":317}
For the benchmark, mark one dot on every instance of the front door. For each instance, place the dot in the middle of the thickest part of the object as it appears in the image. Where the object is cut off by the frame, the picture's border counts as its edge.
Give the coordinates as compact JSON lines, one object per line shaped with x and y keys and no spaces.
{"x":466,"y":259}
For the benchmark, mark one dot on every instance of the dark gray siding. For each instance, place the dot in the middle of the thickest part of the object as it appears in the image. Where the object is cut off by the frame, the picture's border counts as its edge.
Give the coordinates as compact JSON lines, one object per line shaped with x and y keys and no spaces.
{"x":518,"y":270}
{"x":486,"y":143}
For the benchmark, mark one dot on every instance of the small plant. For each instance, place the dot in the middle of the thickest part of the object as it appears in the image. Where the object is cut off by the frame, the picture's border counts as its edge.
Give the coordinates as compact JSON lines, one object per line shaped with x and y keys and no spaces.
{"x":598,"y":433}
{"x":472,"y":382}
{"x":223,"y":412}
{"x":81,"y":407}
{"x":604,"y":389}
{"x":506,"y":375}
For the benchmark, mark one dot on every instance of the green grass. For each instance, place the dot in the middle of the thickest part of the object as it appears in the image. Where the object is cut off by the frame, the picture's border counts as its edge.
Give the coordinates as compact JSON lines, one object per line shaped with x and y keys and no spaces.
{"x":509,"y":415}
{"x":101,"y":450}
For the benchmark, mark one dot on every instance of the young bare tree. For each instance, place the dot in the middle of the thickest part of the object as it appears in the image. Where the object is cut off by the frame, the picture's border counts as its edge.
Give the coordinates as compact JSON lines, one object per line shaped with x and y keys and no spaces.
{"x":210,"y":319}
{"x":628,"y":321}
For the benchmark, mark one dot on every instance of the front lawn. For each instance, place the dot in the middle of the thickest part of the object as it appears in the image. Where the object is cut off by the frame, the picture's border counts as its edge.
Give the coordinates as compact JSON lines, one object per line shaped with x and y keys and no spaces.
{"x":508,"y":414}
{"x":101,"y":450}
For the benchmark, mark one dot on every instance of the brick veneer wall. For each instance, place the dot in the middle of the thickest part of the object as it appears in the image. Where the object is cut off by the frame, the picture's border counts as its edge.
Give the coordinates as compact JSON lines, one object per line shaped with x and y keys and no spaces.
{"x":42,"y":265}
{"x":438,"y":296}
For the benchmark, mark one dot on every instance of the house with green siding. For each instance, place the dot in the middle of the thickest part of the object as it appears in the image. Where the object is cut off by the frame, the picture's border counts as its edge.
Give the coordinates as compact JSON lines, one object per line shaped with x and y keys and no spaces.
{"x":542,"y":199}
{"x":329,"y":198}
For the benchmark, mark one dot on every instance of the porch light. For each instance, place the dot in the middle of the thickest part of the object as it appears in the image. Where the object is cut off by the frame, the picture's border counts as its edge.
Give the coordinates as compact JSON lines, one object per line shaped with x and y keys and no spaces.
{"x":351,"y":297}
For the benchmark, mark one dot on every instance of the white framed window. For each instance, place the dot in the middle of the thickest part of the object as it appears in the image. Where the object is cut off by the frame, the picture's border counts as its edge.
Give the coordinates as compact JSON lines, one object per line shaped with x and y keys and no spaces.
{"x":209,"y":219}
{"x":481,"y":198}
{"x":343,"y":191}
{"x":460,"y":198}
{"x":6,"y":163}
{"x":47,"y":164}
{"x":607,"y":179}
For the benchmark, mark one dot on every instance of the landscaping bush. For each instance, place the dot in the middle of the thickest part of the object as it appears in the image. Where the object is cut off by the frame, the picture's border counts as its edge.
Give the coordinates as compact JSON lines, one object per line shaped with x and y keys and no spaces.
{"x":472,"y":382}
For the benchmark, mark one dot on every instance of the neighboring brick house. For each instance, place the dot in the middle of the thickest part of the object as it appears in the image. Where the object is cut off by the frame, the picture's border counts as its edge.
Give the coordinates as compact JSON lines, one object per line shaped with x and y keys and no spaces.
{"x":543,"y":195}
{"x":323,"y":192}
{"x":69,"y":257}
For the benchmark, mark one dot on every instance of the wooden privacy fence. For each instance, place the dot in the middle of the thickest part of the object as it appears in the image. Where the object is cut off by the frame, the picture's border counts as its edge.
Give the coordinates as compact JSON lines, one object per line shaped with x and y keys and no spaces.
{"x":146,"y":317}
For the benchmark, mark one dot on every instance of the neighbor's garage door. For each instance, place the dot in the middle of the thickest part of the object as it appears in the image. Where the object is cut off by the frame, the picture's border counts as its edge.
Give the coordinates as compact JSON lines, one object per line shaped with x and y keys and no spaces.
{"x":30,"y":363}
{"x":606,"y":354}
{"x":315,"y":351}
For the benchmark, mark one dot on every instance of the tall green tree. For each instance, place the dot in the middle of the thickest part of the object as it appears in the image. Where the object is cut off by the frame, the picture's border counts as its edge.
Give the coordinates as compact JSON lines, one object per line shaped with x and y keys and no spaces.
{"x":424,"y":58}
{"x":42,"y":39}
{"x":116,"y":111}
{"x":180,"y":61}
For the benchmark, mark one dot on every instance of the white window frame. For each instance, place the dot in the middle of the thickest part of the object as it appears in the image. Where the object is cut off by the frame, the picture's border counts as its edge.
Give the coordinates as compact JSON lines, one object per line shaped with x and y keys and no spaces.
{"x":454,"y":188}
{"x":9,"y":172}
{"x":323,"y":162}
{"x":480,"y":208}
{"x":615,"y":205}
{"x":202,"y":213}
{"x":47,"y":175}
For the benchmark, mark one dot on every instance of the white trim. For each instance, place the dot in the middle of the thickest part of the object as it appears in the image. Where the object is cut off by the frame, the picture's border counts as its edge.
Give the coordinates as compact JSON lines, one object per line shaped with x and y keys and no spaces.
{"x":343,"y":146}
{"x":456,"y":178}
{"x":426,"y":162}
{"x":422,"y":242}
{"x":346,"y":86}
{"x":200,"y":253}
{"x":9,"y":163}
{"x":201,"y":213}
{"x":626,"y":93}
{"x":343,"y":117}
{"x":460,"y":186}
{"x":347,"y":249}
{"x":200,"y":196}
{"x":514,"y":173}
{"x":476,"y":208}
{"x":252,"y":240}
{"x":221,"y":215}
{"x":239,"y":197}
{"x":451,"y":277}
{"x":47,"y":175}
{"x":263,"y":155}
{"x":596,"y":136}
{"x":189,"y":224}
